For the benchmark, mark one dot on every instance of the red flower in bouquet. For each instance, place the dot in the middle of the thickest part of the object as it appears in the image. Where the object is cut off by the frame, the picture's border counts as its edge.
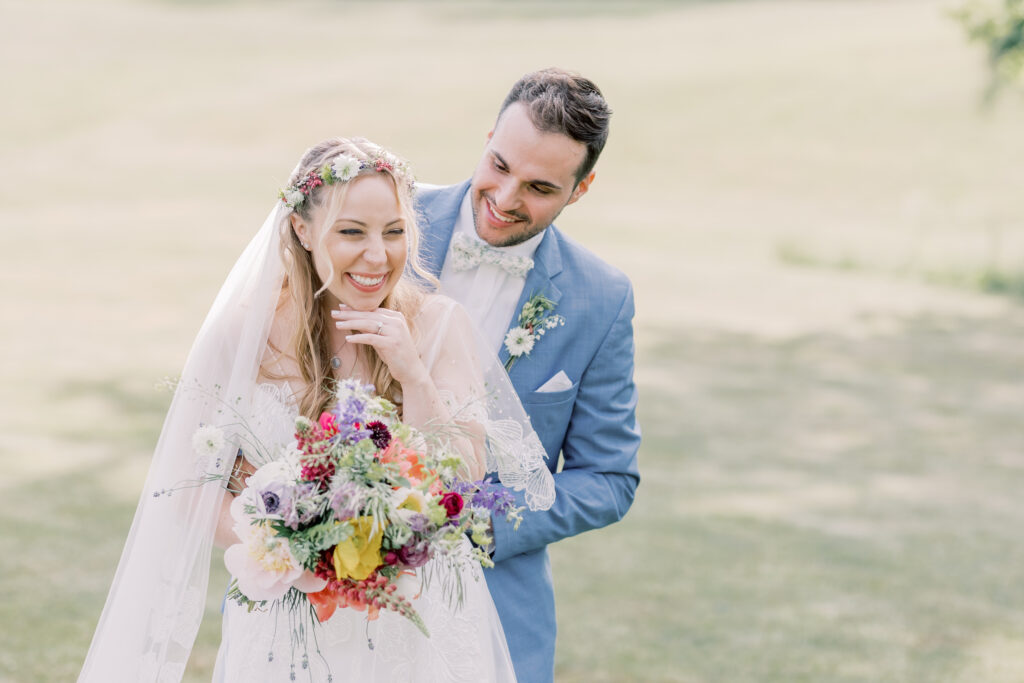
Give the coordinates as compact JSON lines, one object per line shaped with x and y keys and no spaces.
{"x":452,"y":503}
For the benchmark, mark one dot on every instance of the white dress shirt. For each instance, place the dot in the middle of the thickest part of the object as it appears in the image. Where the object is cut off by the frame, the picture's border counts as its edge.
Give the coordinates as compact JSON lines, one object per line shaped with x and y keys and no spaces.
{"x":488,"y":292}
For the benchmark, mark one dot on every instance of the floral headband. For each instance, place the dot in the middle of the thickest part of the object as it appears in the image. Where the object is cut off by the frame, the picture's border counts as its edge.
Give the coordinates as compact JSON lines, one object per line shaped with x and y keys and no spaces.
{"x":342,"y":169}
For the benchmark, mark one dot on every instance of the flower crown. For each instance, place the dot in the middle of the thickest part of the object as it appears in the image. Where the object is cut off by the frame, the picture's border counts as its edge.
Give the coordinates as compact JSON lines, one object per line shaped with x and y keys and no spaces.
{"x":342,"y":169}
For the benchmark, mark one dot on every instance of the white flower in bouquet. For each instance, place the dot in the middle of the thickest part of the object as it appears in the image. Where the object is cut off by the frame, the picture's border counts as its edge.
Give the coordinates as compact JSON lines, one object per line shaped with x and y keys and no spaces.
{"x":408,"y":502}
{"x":263,"y":563}
{"x":208,"y":441}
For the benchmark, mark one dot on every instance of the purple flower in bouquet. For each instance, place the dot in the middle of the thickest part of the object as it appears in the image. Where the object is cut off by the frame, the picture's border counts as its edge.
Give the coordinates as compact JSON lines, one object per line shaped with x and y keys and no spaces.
{"x":493,"y":497}
{"x":302,"y":505}
{"x":271,"y":488}
{"x":418,"y":522}
{"x":344,"y":500}
{"x":351,"y":414}
{"x":485,"y":495}
{"x":271,"y":502}
{"x":414,"y":554}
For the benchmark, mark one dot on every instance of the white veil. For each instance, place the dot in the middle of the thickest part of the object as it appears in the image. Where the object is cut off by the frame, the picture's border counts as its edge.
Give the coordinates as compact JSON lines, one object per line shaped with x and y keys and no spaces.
{"x":152,"y":614}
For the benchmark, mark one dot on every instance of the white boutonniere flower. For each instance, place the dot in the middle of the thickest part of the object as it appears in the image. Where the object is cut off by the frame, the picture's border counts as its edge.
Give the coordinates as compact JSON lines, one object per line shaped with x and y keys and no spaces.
{"x":519,"y":341}
{"x":535,"y":320}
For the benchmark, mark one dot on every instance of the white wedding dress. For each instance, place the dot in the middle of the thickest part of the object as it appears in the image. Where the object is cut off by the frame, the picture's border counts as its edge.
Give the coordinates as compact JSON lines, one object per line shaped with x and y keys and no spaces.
{"x":465,"y":643}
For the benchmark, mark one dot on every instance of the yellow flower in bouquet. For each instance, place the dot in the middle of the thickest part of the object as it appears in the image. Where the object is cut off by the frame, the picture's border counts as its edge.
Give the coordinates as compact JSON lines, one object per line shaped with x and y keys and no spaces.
{"x":358,"y":556}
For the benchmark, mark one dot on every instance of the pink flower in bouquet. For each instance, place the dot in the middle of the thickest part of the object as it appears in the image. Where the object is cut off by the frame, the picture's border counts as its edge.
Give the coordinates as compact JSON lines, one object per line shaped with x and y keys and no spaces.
{"x":263,"y":563}
{"x":408,"y":461}
{"x":328,"y":423}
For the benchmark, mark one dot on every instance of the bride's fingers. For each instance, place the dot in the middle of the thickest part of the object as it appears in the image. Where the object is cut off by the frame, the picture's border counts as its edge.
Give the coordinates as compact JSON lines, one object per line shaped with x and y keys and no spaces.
{"x":361,"y":325}
{"x":377,"y":341}
{"x":343,"y":311}
{"x":397,"y":350}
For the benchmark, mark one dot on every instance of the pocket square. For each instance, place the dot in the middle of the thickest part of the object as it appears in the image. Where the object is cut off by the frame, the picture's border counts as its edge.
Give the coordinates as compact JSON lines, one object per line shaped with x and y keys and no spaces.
{"x":559,"y":382}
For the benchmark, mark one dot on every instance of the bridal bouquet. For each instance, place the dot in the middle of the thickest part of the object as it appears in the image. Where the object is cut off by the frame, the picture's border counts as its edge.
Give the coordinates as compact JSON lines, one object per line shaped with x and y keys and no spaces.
{"x":357,"y":501}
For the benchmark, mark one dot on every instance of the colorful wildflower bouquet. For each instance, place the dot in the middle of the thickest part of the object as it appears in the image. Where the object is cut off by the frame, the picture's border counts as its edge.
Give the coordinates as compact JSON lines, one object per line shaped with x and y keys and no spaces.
{"x":358,"y":500}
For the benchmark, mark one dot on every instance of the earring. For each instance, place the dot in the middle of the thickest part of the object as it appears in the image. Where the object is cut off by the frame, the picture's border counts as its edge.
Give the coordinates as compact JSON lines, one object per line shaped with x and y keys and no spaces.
{"x":305,"y":246}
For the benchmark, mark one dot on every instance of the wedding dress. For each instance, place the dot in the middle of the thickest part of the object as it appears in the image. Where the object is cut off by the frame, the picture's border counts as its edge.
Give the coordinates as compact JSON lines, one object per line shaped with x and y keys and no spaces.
{"x":152,"y":614}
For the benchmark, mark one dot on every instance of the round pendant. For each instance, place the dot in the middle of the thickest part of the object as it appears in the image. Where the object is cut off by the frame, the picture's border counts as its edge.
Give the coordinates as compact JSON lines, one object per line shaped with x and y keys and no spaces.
{"x":335,"y":362}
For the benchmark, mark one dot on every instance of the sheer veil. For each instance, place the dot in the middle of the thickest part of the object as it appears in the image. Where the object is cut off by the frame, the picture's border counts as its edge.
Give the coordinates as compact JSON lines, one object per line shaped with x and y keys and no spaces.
{"x":149,"y":623}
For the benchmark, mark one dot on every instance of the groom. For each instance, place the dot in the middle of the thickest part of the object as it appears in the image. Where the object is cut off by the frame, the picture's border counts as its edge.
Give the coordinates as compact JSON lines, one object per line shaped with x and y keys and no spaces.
{"x":492,"y":243}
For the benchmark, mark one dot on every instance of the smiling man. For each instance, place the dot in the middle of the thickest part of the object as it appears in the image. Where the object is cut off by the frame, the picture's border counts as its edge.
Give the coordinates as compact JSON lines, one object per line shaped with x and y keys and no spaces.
{"x":492,"y":242}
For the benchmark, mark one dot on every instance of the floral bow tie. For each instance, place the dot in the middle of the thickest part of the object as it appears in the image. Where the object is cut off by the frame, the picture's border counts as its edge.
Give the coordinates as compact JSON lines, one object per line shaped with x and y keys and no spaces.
{"x":468,"y":252}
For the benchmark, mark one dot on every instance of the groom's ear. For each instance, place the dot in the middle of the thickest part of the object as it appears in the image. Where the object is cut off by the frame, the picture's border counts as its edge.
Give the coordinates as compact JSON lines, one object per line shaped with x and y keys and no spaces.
{"x":581,"y":188}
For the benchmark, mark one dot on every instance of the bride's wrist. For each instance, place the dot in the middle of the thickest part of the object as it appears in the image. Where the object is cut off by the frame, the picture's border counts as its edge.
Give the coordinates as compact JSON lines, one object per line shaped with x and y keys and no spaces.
{"x":419,"y":383}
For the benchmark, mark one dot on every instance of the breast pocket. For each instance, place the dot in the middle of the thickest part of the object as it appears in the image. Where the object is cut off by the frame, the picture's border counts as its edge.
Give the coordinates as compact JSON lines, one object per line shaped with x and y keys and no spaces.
{"x":549,"y":413}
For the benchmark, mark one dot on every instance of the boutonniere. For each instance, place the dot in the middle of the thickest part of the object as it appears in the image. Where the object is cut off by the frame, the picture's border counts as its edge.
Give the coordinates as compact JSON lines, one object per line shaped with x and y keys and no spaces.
{"x":535,"y":320}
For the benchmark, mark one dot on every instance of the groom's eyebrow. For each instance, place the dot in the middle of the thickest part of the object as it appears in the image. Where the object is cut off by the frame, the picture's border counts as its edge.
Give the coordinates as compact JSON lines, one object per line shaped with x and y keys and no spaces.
{"x":537,"y":181}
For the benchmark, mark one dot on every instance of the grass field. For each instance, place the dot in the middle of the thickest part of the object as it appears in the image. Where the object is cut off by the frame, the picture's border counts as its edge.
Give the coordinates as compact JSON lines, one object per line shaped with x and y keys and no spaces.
{"x":808,"y":196}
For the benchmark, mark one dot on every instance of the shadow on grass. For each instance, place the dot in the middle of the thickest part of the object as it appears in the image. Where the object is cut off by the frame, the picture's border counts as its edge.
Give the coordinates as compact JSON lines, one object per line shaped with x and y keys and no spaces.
{"x":988,"y":279}
{"x":833,"y":507}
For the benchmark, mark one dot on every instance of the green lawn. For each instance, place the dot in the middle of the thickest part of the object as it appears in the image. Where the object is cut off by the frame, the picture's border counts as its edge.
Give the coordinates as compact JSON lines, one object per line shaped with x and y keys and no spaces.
{"x":823,"y":225}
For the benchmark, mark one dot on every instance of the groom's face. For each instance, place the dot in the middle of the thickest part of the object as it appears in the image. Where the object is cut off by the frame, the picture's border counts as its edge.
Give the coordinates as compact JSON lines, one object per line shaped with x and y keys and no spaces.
{"x":524,"y":180}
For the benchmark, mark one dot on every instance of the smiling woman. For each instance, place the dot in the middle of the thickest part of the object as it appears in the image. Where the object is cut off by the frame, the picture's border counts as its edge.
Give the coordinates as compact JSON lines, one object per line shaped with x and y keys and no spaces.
{"x":353,"y":232}
{"x":321,"y":298}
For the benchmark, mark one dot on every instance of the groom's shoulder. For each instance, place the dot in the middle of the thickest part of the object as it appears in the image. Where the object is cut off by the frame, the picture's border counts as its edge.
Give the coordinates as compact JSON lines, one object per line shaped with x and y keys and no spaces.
{"x":430,"y":197}
{"x":428,"y":191}
{"x":589,"y":270}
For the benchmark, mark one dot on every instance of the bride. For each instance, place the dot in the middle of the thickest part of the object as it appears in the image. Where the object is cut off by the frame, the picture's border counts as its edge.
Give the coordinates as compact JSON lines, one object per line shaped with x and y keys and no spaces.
{"x":330,"y":288}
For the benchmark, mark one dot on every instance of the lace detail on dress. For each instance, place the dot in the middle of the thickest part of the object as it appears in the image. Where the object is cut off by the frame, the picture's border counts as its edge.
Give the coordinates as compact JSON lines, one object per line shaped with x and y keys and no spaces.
{"x":513,"y":450}
{"x":271,"y":420}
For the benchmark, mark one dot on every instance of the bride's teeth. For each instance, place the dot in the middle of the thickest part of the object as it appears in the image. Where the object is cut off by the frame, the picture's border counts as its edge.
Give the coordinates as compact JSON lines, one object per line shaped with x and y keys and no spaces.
{"x":366,"y":281}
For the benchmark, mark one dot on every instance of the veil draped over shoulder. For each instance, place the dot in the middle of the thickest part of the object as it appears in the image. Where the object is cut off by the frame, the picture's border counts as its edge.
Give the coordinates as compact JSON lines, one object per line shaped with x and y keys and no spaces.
{"x":149,"y":623}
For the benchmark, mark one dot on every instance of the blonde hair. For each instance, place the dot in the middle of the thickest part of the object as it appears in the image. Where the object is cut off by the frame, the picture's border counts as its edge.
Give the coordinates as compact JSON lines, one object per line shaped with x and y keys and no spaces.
{"x":311,"y":337}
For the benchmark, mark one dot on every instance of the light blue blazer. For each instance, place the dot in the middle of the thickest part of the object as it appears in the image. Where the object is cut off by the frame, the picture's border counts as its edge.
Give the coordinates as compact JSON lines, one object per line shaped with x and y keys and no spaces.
{"x":593,"y":424}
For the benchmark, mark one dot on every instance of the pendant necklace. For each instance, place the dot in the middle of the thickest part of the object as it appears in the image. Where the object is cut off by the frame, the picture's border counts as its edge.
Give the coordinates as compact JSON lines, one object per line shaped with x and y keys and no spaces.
{"x":336,"y":359}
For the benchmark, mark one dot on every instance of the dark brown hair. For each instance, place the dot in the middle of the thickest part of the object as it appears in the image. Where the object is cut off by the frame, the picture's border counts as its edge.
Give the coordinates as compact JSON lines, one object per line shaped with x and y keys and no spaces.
{"x":560,"y":101}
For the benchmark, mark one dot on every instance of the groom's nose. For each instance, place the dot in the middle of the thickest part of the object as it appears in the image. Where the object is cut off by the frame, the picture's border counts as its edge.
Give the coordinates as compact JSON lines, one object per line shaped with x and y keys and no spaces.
{"x":506,"y":195}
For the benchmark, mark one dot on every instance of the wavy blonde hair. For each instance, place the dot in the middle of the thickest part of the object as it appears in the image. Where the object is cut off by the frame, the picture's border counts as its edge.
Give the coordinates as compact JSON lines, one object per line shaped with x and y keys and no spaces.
{"x":311,"y":337}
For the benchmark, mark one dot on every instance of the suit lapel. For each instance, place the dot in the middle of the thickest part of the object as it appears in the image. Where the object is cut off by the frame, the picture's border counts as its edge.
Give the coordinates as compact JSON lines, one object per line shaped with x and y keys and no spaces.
{"x":547,"y":263}
{"x":440,"y":214}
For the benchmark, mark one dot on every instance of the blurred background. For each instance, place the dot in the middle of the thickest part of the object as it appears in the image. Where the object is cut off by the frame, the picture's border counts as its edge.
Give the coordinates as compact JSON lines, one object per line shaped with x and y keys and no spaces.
{"x":819,"y":203}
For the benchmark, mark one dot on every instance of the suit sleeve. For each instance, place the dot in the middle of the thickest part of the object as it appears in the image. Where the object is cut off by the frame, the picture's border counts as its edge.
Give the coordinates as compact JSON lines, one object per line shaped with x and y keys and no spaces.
{"x":598,"y":481}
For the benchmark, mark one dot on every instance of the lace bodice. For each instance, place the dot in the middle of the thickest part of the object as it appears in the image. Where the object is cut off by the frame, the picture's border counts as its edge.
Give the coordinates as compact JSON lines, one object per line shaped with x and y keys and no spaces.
{"x":271,"y":419}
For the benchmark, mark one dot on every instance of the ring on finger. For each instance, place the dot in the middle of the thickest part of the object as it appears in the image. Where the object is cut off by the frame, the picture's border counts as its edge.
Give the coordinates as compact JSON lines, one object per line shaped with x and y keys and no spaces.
{"x":380,"y":326}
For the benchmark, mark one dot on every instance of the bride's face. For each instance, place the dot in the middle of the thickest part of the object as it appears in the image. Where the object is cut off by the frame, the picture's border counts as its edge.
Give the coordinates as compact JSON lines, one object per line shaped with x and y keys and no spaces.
{"x":362,"y":253}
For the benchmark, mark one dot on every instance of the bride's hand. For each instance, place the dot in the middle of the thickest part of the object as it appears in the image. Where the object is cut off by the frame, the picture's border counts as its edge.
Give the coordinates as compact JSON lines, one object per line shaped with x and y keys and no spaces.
{"x":387,"y":332}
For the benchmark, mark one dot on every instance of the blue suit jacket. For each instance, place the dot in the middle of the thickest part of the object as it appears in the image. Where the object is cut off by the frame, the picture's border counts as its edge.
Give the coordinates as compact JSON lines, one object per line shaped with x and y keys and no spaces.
{"x":593,"y":424}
